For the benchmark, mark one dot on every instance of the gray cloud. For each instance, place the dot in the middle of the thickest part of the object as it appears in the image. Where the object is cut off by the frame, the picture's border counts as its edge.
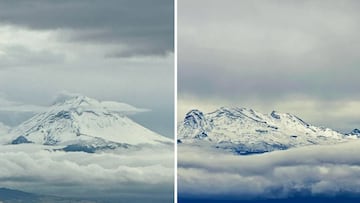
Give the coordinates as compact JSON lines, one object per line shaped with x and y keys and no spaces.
{"x":278,"y":49}
{"x":118,"y":174}
{"x":141,"y":27}
{"x":315,"y":170}
{"x":272,"y":51}
{"x":16,"y":55}
{"x":37,"y":63}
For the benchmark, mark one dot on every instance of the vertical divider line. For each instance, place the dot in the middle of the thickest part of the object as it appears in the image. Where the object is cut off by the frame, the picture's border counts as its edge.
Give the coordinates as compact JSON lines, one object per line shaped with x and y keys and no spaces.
{"x":175,"y":102}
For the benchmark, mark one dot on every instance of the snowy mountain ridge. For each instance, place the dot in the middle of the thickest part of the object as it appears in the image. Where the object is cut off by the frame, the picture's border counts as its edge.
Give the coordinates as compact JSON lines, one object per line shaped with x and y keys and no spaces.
{"x":80,"y":121}
{"x":245,"y":131}
{"x":355,"y":132}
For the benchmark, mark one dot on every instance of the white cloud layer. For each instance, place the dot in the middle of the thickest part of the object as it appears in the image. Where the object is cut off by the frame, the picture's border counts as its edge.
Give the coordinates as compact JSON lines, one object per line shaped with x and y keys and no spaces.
{"x":314,"y":170}
{"x":121,"y":174}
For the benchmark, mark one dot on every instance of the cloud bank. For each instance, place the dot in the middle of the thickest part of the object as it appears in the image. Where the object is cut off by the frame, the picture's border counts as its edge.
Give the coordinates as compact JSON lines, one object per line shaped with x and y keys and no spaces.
{"x":124,"y":174}
{"x":138,"y":27}
{"x":307,"y":171}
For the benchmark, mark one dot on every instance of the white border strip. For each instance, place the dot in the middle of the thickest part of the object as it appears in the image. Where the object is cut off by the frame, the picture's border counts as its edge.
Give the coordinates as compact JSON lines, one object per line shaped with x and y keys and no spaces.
{"x":175,"y":102}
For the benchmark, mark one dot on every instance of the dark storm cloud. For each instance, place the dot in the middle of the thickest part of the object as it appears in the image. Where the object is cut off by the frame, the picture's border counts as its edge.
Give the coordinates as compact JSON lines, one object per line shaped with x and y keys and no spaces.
{"x":269,"y":49}
{"x":140,"y":27}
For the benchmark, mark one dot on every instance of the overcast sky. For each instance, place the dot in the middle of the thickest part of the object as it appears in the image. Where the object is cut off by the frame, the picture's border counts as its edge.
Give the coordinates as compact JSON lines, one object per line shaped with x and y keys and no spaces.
{"x":299,"y":57}
{"x":118,"y":50}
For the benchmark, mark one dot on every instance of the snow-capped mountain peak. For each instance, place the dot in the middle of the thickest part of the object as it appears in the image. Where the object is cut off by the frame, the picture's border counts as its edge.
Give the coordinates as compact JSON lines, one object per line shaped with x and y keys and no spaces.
{"x":247,"y":131}
{"x":79,"y":120}
{"x":195,"y":119}
{"x":354,"y":133}
{"x":79,"y":103}
{"x":275,"y":115}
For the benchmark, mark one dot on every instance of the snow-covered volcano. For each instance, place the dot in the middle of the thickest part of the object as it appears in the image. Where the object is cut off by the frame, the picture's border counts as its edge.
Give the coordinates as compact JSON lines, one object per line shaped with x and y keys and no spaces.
{"x":80,"y":120}
{"x":78,"y":145}
{"x":246,"y":131}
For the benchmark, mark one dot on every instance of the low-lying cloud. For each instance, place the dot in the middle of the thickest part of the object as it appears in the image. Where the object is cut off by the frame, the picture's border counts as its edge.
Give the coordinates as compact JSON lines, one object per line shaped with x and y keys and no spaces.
{"x":311,"y":171}
{"x":120,"y":174}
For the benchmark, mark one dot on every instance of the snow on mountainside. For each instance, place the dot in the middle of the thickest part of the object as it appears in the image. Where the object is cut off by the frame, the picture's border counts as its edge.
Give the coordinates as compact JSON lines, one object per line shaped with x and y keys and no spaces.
{"x":355,"y":133}
{"x":246,"y":131}
{"x":80,"y":121}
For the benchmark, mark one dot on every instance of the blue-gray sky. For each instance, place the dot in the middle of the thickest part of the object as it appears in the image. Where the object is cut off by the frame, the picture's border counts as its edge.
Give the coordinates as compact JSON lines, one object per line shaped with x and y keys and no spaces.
{"x":300,"y":57}
{"x":118,"y":50}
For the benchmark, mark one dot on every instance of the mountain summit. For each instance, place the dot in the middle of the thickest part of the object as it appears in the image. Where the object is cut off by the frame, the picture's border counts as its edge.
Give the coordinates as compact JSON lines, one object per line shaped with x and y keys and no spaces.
{"x":355,"y":132}
{"x":82,"y":121}
{"x":245,"y":131}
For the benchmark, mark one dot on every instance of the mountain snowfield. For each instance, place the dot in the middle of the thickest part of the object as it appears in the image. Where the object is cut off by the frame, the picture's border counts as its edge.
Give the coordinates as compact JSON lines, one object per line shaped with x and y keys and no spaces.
{"x":80,"y":120}
{"x":245,"y":131}
{"x":289,"y":159}
{"x":87,"y":149}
